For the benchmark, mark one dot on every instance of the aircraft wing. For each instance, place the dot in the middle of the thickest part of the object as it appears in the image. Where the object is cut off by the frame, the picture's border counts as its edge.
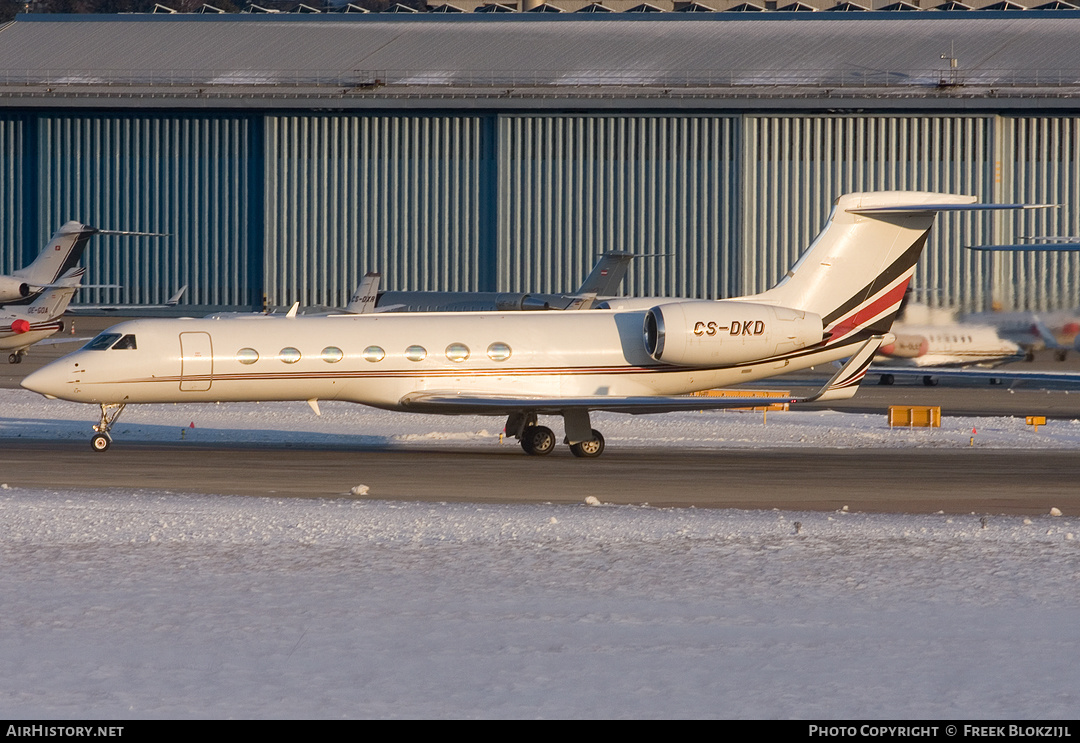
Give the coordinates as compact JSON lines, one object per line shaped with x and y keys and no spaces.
{"x":64,"y":339}
{"x":1045,"y":247}
{"x":843,"y":385}
{"x":89,"y":309}
{"x":962,"y":374}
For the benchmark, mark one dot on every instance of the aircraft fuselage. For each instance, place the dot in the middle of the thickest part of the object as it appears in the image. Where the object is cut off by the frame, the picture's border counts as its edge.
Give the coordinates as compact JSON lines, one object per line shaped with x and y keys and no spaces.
{"x":378,"y":359}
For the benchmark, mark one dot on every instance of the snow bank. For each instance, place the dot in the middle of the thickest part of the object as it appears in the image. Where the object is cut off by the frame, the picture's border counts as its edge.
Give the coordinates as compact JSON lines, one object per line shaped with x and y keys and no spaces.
{"x":173,"y":605}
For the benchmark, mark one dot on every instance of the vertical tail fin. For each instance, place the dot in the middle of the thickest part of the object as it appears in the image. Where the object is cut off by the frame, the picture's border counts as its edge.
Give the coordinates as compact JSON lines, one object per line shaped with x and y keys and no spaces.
{"x":856,"y":271}
{"x":60,"y":255}
{"x":607,"y":274}
{"x":363,"y":299}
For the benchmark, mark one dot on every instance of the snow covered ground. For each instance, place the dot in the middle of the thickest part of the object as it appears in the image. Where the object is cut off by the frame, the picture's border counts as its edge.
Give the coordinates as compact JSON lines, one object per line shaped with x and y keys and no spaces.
{"x":155,"y":604}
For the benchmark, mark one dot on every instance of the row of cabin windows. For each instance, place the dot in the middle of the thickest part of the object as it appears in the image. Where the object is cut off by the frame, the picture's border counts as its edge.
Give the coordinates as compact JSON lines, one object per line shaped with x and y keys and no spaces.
{"x":456,"y":352}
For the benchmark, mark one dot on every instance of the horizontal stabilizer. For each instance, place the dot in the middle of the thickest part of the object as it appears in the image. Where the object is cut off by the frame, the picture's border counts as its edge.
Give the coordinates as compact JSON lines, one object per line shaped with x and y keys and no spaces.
{"x":60,"y":285}
{"x":1028,"y":246}
{"x":123,"y":233}
{"x":930,"y":208}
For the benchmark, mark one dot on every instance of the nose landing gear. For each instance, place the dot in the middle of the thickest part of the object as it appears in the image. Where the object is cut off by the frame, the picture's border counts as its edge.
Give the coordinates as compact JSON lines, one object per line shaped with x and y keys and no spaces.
{"x":109,"y":413}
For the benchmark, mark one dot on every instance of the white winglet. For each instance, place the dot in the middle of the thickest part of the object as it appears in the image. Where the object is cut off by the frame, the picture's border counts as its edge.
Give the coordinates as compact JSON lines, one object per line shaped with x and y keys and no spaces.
{"x":845,"y":383}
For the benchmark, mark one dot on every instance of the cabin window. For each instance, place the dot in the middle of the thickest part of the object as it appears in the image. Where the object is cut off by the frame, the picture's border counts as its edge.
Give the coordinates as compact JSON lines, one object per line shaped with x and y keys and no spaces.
{"x":127,"y":343}
{"x":416,"y":353}
{"x":374,"y":353}
{"x":102,"y":342}
{"x":457,"y":352}
{"x":247,"y":355}
{"x":331,"y":354}
{"x":498,"y":352}
{"x":289,"y":355}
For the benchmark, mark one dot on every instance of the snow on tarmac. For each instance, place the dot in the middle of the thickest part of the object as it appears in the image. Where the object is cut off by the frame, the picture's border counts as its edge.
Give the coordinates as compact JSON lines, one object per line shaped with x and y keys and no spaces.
{"x":154,"y":604}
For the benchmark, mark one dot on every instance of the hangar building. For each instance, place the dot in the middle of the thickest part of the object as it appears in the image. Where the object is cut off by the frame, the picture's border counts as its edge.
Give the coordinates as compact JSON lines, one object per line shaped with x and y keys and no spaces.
{"x":287,"y":155}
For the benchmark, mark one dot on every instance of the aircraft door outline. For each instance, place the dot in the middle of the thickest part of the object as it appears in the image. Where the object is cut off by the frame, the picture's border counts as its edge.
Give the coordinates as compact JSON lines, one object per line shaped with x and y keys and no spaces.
{"x":196,"y":362}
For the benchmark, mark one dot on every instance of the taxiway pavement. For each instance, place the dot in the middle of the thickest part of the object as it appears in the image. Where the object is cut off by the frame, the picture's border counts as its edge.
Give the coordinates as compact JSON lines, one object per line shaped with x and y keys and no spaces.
{"x":869,"y":480}
{"x":902,"y":481}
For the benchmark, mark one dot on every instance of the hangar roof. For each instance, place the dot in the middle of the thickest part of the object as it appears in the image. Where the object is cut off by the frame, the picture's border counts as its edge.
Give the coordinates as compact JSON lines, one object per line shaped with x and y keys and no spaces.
{"x":698,"y":59}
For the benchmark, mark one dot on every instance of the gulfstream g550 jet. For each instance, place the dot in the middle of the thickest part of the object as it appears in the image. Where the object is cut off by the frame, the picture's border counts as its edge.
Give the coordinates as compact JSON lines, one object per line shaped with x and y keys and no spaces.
{"x":838,"y":301}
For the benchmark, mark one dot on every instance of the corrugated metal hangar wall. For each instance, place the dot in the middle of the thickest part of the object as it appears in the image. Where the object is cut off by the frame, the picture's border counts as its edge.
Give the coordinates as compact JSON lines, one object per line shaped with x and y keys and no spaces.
{"x":286,"y":157}
{"x":299,"y":207}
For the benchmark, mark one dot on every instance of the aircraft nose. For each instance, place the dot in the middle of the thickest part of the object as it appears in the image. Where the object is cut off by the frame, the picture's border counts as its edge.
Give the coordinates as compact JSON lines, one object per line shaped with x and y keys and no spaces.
{"x":50,"y":380}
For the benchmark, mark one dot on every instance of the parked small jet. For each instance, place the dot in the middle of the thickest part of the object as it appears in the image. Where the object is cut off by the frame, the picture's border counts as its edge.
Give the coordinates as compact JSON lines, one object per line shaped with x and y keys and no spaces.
{"x":93,"y":309}
{"x":927,"y":340}
{"x":603,"y":281}
{"x":60,"y":255}
{"x":1034,"y":331}
{"x":838,"y":301}
{"x":21,"y":326}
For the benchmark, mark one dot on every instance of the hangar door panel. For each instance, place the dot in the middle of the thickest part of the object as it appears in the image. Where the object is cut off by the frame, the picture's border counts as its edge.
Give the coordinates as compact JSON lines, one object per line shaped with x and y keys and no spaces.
{"x":572,"y":187}
{"x":184,"y":175}
{"x":398,"y":194}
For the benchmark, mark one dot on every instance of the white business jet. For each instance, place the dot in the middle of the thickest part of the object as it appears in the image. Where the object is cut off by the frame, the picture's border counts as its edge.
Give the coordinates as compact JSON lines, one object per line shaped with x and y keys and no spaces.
{"x":60,"y":255}
{"x":838,"y":301}
{"x":928,"y":339}
{"x":21,"y":326}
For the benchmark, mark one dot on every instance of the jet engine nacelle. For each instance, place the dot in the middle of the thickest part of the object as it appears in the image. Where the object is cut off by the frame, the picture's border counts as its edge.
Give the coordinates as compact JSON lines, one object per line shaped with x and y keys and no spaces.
{"x":906,"y":347}
{"x":12,"y":288}
{"x":727,"y":332}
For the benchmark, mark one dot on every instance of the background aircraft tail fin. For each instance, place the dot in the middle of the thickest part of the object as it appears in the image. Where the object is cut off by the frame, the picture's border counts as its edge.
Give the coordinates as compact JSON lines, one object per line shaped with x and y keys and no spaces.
{"x":61,"y":254}
{"x":363,"y":299}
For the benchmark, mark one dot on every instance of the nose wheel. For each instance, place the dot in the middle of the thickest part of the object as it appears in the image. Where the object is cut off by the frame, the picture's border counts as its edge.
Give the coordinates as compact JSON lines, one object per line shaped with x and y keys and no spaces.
{"x":17,"y":357}
{"x":101,"y":442}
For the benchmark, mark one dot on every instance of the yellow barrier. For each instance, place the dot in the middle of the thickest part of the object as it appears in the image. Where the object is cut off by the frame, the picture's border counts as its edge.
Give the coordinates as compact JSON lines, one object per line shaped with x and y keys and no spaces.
{"x":915,"y":416}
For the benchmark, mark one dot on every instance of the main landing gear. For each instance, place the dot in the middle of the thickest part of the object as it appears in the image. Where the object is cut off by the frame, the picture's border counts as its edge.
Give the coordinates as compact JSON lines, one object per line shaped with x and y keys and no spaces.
{"x":17,"y":357}
{"x":101,"y":440}
{"x":585,"y":441}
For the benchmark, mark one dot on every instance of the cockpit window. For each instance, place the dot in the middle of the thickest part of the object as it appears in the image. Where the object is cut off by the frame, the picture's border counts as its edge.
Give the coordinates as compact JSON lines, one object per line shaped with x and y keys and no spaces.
{"x":102,"y":342}
{"x":127,"y":343}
